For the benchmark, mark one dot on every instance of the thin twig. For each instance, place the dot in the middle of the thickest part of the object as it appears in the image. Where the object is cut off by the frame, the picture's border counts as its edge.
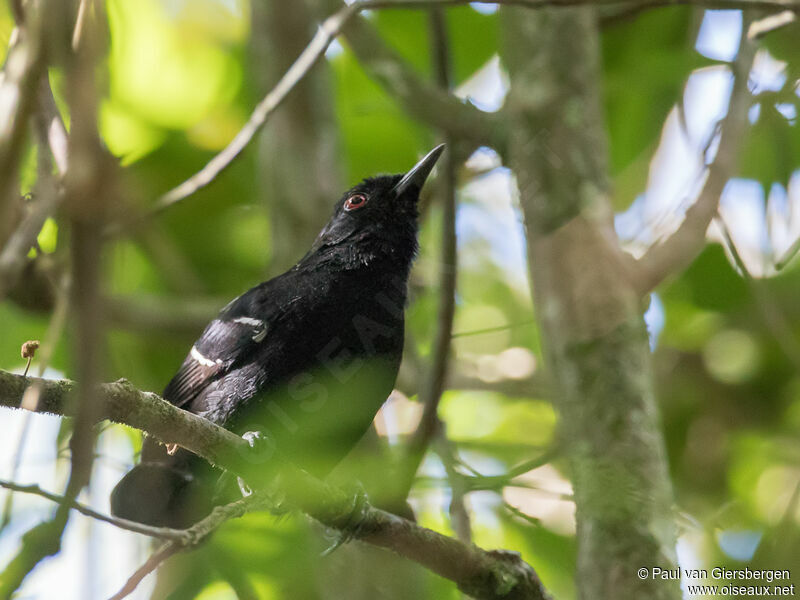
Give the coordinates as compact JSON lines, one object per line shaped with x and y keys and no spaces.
{"x":499,"y":328}
{"x":77,"y":31}
{"x":18,"y":84}
{"x":762,"y":27}
{"x":480,"y":482}
{"x":53,"y":124}
{"x":178,"y":535}
{"x":86,"y":200}
{"x":191,"y":538}
{"x":524,"y":516}
{"x":327,"y":32}
{"x":50,"y":132}
{"x":14,"y":255}
{"x":152,"y":563}
{"x":493,"y":482}
{"x":87,"y":196}
{"x":476,"y":571}
{"x":459,"y":515}
{"x":29,"y":351}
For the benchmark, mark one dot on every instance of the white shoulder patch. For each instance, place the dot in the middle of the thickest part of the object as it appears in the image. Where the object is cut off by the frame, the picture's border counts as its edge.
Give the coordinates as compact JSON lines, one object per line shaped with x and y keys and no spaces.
{"x":206,"y":362}
{"x":257,"y":324}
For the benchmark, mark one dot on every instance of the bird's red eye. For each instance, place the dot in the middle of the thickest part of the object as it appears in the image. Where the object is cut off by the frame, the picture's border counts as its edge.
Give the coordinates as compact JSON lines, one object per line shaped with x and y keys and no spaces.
{"x":354,"y":202}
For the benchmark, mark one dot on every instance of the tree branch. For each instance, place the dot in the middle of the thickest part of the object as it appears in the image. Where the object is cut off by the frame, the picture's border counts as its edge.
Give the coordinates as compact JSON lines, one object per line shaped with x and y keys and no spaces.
{"x":768,"y":24}
{"x":51,"y":120}
{"x":85,"y":198}
{"x":18,"y":84}
{"x":427,"y":102}
{"x":14,"y":255}
{"x":151,"y":564}
{"x":51,"y":132}
{"x":459,"y":515}
{"x":588,"y":310}
{"x":480,"y":573}
{"x":164,"y":533}
{"x":422,"y":101}
{"x":671,"y":255}
{"x":328,"y":31}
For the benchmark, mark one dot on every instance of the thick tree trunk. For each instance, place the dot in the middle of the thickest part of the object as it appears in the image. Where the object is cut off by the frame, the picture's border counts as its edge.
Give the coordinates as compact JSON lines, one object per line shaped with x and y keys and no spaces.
{"x":587,"y":305}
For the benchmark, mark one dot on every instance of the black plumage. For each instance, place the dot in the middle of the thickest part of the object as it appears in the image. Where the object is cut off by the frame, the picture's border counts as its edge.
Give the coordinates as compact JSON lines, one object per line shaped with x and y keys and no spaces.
{"x":306,"y":358}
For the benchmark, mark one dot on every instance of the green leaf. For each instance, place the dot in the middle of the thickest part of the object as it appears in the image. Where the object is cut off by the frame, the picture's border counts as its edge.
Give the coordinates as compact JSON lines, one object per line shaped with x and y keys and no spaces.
{"x":6,"y":27}
{"x":646,"y":62}
{"x":771,"y":146}
{"x":180,"y":78}
{"x":19,"y":326}
{"x":408,"y":33}
{"x":782,"y":45}
{"x":473,"y":40}
{"x":27,"y":169}
{"x":48,"y":236}
{"x":713,"y":283}
{"x":376,"y":134}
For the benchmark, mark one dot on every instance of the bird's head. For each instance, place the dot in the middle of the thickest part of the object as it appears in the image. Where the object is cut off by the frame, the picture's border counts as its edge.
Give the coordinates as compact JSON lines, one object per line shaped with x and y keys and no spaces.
{"x":377,"y":217}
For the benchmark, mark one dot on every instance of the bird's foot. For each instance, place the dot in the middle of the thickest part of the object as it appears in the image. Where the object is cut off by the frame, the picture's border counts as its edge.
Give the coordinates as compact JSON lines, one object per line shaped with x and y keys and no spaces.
{"x":262,"y":446}
{"x":352,"y":526}
{"x":243,"y":487}
{"x":259,"y":443}
{"x":262,"y":449}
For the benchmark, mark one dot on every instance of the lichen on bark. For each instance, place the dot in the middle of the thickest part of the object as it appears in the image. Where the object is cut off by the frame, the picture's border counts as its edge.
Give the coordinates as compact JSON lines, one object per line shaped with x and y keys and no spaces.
{"x":588,"y":306}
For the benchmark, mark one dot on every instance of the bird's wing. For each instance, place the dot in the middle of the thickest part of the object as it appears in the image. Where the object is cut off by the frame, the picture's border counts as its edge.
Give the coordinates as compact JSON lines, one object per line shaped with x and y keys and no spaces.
{"x":226,"y":342}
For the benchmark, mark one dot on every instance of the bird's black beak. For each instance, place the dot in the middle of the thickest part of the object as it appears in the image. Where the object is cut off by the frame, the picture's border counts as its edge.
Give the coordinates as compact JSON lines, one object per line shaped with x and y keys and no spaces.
{"x":419,"y":172}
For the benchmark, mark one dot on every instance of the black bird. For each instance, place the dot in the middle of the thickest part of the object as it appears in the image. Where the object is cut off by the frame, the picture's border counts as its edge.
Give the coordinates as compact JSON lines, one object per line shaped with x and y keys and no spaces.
{"x":306,"y":358}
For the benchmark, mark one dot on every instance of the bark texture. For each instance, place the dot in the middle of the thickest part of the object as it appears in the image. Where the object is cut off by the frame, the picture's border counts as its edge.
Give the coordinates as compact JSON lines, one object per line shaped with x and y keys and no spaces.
{"x":485,"y":575}
{"x":587,"y":305}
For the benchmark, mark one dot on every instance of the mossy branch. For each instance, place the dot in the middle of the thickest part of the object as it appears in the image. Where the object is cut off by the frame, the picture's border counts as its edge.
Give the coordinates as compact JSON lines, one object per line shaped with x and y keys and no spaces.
{"x":483,"y":574}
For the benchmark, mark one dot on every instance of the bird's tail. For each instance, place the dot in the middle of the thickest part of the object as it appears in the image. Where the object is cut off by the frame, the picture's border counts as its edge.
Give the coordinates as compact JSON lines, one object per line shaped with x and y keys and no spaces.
{"x":161,"y":494}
